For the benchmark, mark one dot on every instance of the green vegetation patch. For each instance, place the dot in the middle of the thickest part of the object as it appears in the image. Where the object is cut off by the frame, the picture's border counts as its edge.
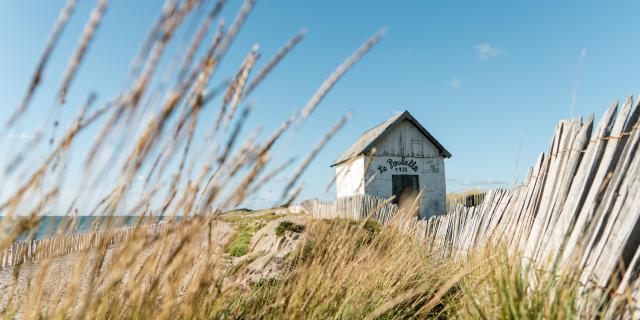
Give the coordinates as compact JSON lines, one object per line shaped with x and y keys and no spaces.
{"x":371,"y":229}
{"x":372,"y":226}
{"x":288,"y":226}
{"x":247,"y":225}
{"x":240,"y":244}
{"x":244,"y":218}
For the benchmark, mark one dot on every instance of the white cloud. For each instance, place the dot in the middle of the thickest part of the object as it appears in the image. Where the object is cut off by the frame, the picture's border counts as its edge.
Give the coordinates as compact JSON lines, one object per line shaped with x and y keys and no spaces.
{"x":487,"y":51}
{"x":455,"y":83}
{"x":482,"y":183}
{"x":21,"y":136}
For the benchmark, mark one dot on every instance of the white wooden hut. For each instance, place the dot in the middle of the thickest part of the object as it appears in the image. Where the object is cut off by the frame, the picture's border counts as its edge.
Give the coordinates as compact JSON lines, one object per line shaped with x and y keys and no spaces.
{"x":397,"y":158}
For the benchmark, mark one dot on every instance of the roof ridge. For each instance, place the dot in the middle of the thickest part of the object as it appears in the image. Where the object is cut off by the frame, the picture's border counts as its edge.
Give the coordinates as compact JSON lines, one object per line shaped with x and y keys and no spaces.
{"x":383,"y":122}
{"x":369,"y":137}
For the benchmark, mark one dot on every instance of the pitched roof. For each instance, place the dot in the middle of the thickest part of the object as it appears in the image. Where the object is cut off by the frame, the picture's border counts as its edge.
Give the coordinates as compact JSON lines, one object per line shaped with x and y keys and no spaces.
{"x":368,"y":139}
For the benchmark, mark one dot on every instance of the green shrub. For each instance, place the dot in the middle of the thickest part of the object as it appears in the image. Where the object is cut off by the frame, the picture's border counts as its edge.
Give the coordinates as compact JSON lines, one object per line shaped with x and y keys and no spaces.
{"x":288,"y":226}
{"x":372,"y":226}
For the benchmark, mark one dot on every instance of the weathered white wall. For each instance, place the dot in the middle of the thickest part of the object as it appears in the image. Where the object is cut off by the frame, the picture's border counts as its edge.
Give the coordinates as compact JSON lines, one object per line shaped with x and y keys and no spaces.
{"x":431,"y":181}
{"x":405,"y":140}
{"x":350,"y":178}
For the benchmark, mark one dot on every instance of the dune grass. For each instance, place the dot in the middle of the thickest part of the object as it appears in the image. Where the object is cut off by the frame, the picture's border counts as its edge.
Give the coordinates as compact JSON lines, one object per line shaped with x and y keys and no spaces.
{"x":156,"y":134}
{"x":505,"y":287}
{"x":146,"y":134}
{"x":348,"y":270}
{"x":336,"y":273}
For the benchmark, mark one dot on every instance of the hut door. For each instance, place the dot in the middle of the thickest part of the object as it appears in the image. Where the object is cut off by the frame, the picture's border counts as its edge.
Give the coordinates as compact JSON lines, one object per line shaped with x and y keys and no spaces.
{"x":405,"y":189}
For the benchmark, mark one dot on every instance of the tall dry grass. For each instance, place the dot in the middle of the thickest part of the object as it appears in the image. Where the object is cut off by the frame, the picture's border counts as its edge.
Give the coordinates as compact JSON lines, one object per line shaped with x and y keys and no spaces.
{"x":350,"y":270}
{"x":151,"y":130}
{"x":341,"y":269}
{"x":361,"y":270}
{"x":505,"y":286}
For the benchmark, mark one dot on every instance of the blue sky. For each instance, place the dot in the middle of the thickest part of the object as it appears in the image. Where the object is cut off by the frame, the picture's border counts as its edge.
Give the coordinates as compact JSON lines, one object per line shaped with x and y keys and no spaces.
{"x":481,"y":76}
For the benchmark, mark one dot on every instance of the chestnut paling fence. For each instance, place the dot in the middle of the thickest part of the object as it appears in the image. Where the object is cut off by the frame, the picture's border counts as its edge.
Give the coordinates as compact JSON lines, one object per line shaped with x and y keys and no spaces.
{"x":578,"y":209}
{"x":59,"y":244}
{"x":356,"y":207}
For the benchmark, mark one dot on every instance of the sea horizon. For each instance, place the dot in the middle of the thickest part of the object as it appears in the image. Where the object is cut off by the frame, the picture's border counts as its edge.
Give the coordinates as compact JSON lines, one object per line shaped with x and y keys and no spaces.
{"x":50,"y":224}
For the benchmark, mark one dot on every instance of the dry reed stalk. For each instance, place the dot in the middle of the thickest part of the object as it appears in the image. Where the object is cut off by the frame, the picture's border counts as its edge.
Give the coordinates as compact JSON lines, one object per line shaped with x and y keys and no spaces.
{"x":260,"y":163}
{"x":126,"y":104}
{"x":145,"y":273}
{"x":235,"y":133}
{"x":282,"y":53}
{"x":199,"y":37}
{"x":87,"y":35}
{"x":225,"y":171}
{"x":36,"y":178}
{"x":239,"y":83}
{"x":238,"y":22}
{"x":197,"y":100}
{"x":52,"y":41}
{"x":167,"y":30}
{"x":337,"y":74}
{"x":234,"y":91}
{"x":313,"y":153}
{"x":156,"y":127}
{"x":267,"y":177}
{"x":168,"y":9}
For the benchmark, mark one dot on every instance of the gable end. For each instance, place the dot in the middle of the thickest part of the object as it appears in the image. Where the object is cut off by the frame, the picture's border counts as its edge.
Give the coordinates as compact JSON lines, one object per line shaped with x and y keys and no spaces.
{"x":365,"y":144}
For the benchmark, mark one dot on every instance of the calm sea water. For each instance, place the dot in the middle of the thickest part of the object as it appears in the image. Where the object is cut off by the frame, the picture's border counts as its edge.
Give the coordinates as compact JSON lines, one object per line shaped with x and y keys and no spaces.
{"x":49,"y":225}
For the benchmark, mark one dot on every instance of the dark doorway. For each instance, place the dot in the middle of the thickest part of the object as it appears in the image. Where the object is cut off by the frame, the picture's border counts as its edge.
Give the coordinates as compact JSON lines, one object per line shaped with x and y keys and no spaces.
{"x":405,"y":189}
